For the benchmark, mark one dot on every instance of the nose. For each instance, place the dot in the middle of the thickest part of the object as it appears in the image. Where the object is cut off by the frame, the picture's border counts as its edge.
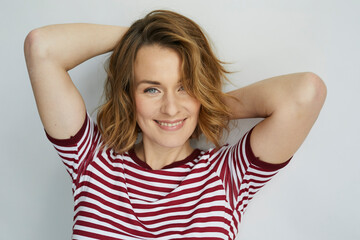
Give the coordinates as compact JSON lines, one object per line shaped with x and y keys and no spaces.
{"x":170,"y":104}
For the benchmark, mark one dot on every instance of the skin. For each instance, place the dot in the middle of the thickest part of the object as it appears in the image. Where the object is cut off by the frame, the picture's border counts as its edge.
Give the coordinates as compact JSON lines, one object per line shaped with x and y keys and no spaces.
{"x":50,"y":52}
{"x":289,"y":104}
{"x":166,"y":114}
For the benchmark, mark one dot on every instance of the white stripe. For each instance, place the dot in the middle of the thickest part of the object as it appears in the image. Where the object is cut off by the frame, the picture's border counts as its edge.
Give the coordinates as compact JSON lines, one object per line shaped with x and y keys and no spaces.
{"x":101,"y":185}
{"x":101,"y":232}
{"x":184,"y":213}
{"x":182,"y":197}
{"x":152,"y":183}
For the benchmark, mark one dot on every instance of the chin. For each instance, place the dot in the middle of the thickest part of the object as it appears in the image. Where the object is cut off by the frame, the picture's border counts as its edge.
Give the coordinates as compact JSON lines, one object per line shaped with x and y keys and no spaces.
{"x":172,"y":142}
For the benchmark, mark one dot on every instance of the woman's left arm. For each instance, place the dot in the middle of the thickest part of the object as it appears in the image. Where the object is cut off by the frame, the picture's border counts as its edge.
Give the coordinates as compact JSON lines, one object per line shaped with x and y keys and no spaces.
{"x":290,"y":105}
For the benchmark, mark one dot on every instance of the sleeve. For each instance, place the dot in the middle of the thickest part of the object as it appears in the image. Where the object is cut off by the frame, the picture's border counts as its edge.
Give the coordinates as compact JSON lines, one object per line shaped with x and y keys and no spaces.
{"x":242,"y":173}
{"x":77,"y":151}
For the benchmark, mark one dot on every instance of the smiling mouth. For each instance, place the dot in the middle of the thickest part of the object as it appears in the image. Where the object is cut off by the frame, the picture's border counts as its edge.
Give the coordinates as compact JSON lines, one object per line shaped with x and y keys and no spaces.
{"x":168,"y":124}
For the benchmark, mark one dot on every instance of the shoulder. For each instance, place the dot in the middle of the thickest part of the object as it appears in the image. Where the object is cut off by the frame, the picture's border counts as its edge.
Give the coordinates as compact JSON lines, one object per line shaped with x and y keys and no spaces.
{"x":87,"y":131}
{"x":241,"y":154}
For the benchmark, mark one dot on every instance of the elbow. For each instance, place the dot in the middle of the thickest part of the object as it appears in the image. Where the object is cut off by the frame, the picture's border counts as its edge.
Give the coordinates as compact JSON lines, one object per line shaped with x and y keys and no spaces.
{"x":35,"y":46}
{"x":312,"y":91}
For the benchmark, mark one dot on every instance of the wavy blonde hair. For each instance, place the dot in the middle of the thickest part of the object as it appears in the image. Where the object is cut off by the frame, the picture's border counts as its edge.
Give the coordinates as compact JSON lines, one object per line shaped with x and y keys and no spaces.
{"x":202,"y":77}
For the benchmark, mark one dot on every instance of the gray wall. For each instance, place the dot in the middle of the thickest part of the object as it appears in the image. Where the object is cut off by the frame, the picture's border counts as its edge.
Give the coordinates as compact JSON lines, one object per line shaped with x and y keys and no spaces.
{"x":315,"y":197}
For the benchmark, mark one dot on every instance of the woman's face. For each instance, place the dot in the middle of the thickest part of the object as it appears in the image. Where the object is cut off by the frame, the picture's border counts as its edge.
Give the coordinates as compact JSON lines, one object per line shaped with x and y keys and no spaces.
{"x":165,"y":112}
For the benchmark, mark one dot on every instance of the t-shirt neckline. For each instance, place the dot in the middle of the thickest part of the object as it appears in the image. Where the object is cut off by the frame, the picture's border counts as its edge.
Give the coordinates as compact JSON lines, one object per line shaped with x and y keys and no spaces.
{"x":143,"y":164}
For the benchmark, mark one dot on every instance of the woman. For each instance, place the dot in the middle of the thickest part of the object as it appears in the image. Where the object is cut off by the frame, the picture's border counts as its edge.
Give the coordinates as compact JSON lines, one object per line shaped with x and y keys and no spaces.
{"x":164,"y":83}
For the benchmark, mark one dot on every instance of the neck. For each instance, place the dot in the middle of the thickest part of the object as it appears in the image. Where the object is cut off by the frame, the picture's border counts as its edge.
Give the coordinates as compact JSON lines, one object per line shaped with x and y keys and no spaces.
{"x":159,"y":157}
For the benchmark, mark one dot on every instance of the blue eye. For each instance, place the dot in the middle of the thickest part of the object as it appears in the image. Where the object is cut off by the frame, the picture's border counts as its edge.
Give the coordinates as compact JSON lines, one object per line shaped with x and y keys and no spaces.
{"x":181,"y":88}
{"x":151,"y":90}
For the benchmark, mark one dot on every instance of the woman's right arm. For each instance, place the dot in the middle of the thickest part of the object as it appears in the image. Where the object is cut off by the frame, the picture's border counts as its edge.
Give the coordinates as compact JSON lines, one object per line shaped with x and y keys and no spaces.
{"x":50,"y":52}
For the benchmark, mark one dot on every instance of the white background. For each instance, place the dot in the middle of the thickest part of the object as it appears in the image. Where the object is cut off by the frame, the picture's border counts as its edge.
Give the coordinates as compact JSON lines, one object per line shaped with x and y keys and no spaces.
{"x":316,"y":196}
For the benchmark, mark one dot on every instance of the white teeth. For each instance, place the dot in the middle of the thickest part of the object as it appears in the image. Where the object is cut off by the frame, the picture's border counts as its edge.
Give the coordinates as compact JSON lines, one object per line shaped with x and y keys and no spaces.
{"x":170,"y":124}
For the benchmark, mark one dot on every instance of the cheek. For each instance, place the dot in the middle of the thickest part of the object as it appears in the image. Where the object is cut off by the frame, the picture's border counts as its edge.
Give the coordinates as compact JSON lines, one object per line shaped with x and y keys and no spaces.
{"x":195,"y":107}
{"x":144,"y":108}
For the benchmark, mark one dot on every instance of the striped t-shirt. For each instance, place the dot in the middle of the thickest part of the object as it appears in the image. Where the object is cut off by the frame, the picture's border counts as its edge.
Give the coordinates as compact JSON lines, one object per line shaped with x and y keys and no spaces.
{"x":118,"y":196}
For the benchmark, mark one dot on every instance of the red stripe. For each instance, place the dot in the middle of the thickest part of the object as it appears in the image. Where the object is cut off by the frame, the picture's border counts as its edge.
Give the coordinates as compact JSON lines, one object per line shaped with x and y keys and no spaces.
{"x":91,"y":185}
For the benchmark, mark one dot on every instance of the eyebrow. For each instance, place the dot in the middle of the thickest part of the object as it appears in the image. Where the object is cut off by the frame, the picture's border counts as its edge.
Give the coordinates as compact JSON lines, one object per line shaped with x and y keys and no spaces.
{"x":149,"y":82}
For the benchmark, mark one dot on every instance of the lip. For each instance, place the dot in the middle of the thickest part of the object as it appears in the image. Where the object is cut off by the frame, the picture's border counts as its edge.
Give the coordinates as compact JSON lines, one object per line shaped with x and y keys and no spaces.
{"x":172,"y":125}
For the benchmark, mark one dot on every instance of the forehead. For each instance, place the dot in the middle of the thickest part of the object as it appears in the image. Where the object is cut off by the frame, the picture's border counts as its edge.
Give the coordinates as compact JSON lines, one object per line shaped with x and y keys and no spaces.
{"x":154,"y":62}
